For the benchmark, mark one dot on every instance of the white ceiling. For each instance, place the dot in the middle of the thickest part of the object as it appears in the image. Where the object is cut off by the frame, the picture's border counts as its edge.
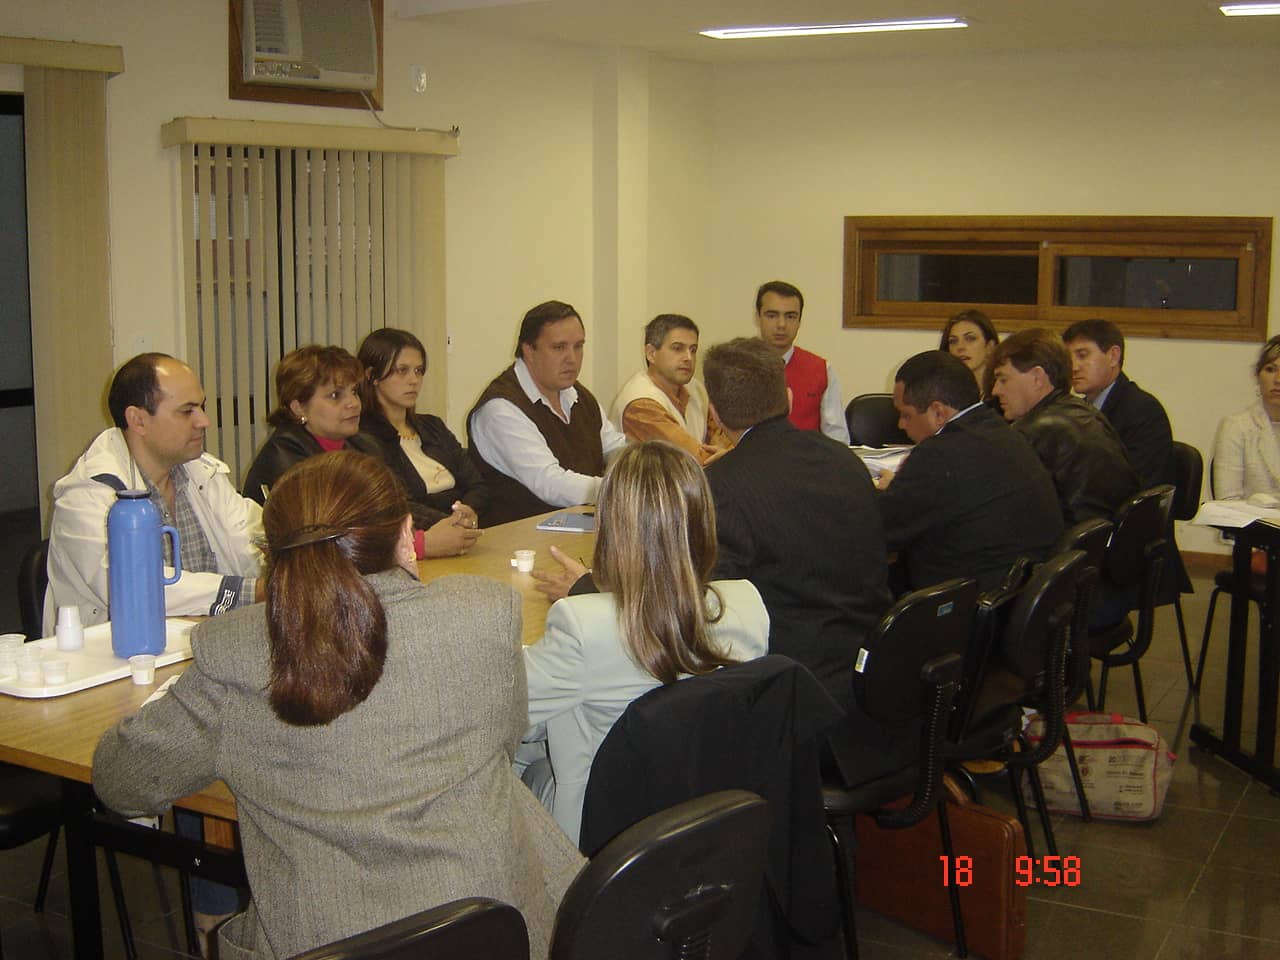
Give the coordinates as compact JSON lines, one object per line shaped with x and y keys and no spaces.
{"x":670,"y":27}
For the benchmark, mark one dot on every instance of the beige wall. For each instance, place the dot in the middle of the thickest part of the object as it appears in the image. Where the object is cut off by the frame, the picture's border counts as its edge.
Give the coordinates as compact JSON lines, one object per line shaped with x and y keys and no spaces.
{"x":632,"y":185}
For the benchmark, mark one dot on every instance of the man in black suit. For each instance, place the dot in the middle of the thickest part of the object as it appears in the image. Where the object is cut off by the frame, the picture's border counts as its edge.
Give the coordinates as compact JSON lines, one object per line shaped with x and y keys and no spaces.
{"x":1097,"y":374}
{"x":973,"y":496}
{"x":796,"y":515}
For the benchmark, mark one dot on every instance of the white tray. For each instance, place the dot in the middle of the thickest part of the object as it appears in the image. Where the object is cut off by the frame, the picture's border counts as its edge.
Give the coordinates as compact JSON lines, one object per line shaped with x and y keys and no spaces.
{"x":95,"y":663}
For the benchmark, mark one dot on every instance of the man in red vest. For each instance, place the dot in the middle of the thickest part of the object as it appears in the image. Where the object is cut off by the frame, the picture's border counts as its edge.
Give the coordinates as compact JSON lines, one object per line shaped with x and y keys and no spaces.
{"x":815,"y":393}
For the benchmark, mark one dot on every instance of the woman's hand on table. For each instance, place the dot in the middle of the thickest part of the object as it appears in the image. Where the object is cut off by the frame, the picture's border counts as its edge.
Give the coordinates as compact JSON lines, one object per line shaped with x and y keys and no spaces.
{"x":464,"y":515}
{"x":448,"y":538}
{"x":555,"y":583}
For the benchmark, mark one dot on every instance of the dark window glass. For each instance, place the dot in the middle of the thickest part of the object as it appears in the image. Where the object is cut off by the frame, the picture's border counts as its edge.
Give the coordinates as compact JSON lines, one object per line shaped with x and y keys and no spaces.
{"x":1168,"y":283}
{"x":956,"y":278}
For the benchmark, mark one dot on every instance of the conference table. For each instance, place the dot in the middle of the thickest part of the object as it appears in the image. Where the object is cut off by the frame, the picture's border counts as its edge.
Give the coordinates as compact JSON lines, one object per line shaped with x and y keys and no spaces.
{"x":58,"y":736}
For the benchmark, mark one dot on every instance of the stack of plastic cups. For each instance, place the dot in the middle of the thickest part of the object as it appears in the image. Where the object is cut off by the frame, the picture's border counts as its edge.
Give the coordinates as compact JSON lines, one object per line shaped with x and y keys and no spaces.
{"x":10,"y":644}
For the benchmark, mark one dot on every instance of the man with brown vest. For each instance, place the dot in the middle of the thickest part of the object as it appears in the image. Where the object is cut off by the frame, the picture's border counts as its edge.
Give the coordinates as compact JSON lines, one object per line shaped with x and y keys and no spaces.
{"x":539,"y":437}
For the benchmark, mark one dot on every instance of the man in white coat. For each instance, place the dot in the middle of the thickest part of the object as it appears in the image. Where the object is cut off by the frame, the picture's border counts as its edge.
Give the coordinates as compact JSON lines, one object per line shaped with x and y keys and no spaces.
{"x":664,"y":401}
{"x":157,"y":445}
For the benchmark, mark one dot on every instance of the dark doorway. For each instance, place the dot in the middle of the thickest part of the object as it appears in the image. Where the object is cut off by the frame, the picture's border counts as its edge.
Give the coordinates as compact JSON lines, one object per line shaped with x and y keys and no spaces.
{"x":19,"y":487}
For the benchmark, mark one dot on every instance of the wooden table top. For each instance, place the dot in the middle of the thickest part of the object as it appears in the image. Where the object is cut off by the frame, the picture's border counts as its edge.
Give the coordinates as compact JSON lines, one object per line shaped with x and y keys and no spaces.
{"x":58,"y":735}
{"x":491,"y":557}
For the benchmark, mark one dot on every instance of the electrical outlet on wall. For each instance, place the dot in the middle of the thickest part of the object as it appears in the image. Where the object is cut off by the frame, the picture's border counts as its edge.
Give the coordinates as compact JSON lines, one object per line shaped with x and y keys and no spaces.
{"x":418,"y":78}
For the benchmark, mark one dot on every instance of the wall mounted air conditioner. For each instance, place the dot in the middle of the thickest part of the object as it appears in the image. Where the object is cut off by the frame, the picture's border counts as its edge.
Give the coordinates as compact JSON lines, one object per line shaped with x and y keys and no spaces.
{"x":325,"y":44}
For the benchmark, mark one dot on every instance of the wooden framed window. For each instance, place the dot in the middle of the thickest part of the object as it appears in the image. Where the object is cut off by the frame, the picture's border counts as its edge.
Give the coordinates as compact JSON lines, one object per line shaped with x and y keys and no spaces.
{"x":1198,"y":278}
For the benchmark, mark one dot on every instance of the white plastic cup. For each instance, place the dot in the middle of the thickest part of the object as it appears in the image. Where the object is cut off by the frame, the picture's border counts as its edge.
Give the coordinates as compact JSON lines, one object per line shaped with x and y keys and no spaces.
{"x":8,"y":669}
{"x":29,"y":672}
{"x":55,"y":671}
{"x":143,"y":667}
{"x":522,"y":560}
{"x":28,"y":654}
{"x":12,"y":643}
{"x":69,"y":630}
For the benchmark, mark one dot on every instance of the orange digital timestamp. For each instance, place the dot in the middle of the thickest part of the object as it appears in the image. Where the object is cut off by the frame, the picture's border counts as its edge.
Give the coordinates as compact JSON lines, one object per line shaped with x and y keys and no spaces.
{"x":1028,"y":871}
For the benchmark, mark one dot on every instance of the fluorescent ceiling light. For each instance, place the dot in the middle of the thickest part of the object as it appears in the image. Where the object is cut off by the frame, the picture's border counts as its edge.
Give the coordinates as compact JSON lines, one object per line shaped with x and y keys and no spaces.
{"x":827,"y":29}
{"x":1250,"y":9}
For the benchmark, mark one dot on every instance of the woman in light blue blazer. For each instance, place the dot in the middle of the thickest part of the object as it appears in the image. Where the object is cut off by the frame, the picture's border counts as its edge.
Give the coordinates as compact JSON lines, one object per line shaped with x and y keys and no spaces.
{"x":657,"y":619}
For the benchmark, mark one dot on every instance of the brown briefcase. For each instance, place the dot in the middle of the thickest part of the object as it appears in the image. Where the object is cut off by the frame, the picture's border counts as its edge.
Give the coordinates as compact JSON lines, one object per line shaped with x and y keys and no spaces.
{"x":900,"y":873}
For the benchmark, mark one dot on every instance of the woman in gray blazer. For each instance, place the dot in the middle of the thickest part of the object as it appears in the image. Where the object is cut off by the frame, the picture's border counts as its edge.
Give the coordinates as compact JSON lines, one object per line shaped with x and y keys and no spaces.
{"x":364,"y":722}
{"x":657,"y":619}
{"x":1246,"y":453}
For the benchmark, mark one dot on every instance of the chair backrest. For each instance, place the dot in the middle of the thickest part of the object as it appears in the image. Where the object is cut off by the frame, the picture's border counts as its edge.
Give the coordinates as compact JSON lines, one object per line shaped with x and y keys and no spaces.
{"x":756,"y":726}
{"x":1138,"y":537}
{"x":991,"y":612}
{"x":1090,"y":536}
{"x":461,"y":930}
{"x":1041,"y":613}
{"x":1036,"y":637}
{"x":873,"y":421}
{"x":33,"y":578}
{"x":1188,"y":469}
{"x":920,"y":626}
{"x":685,"y":882}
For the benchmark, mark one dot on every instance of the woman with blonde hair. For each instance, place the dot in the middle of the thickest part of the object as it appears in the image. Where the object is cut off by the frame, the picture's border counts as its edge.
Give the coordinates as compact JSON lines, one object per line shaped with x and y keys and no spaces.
{"x":657,"y":618}
{"x":364,"y":722}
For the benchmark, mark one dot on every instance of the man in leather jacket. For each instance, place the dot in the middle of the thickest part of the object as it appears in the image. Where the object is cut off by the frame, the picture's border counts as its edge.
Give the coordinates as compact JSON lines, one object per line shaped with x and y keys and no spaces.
{"x":1089,"y":464}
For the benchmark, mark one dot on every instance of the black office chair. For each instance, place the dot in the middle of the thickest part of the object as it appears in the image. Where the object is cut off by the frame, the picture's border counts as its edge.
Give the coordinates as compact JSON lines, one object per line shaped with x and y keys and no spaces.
{"x":757,"y":726}
{"x":908,"y":672}
{"x":1134,"y":560}
{"x":873,"y":421}
{"x":1224,"y":580}
{"x":1189,"y":477}
{"x":1027,"y":626}
{"x":461,"y":930}
{"x":33,"y":578}
{"x":1089,"y":536}
{"x":683,"y":883}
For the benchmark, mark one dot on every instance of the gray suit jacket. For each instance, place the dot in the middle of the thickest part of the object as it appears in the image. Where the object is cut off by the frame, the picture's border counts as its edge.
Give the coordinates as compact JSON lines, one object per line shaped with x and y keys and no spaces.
{"x":404,"y":802}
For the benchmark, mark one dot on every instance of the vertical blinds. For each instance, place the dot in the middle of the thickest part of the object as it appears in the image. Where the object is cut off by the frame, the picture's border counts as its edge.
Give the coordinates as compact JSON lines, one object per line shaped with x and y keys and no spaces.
{"x":286,"y":247}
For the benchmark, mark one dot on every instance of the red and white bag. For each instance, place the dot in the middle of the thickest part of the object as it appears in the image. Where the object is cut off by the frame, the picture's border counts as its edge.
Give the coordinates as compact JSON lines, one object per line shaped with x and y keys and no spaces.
{"x":1125,"y":766}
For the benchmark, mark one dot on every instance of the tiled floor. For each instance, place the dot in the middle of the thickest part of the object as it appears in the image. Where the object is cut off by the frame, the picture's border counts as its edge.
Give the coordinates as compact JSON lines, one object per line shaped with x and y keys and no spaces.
{"x":1201,"y":882}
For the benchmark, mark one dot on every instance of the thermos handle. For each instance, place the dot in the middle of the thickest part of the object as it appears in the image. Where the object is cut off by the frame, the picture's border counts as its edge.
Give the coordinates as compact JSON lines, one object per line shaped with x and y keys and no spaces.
{"x":174,"y":542}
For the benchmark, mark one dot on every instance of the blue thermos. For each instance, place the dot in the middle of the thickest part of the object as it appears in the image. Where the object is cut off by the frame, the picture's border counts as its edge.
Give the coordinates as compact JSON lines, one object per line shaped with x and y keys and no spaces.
{"x":135,"y":574}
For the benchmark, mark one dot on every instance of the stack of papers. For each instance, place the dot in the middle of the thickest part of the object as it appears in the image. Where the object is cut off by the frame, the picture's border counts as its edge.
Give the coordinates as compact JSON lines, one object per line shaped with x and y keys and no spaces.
{"x":879,"y":459}
{"x":1234,"y":514}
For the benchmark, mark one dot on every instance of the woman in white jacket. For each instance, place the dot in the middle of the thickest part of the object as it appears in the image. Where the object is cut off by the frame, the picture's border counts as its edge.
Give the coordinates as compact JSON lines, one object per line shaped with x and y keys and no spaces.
{"x":657,"y":619}
{"x":1246,"y":453}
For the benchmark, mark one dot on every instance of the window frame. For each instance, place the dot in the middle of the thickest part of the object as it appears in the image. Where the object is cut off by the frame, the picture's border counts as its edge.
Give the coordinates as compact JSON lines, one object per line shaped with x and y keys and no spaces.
{"x":1247,"y":240}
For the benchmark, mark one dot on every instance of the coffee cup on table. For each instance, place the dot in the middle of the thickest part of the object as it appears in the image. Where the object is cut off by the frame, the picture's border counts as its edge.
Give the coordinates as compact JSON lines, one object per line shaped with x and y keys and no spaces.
{"x":522,"y":560}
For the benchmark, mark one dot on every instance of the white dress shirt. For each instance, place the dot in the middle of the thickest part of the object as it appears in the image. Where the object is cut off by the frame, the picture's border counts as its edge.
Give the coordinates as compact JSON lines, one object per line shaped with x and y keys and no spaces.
{"x":833,"y":422}
{"x":511,"y":443}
